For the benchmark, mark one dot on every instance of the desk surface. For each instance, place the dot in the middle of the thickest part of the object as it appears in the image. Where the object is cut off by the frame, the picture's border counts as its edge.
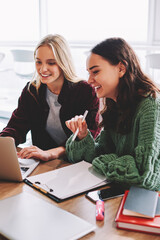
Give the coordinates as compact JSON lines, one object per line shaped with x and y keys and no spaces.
{"x":79,"y":206}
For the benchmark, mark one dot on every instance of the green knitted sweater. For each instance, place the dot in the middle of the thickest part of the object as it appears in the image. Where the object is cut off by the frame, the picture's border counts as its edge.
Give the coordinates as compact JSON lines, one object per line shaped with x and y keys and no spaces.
{"x":132,"y":159}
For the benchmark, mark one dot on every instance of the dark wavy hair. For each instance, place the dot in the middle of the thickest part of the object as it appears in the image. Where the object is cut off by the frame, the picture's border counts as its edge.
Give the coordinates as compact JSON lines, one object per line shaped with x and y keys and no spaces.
{"x":133,"y":86}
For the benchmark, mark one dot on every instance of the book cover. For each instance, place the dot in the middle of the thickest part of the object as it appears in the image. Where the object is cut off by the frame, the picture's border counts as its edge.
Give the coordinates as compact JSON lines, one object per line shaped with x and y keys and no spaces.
{"x":141,"y":202}
{"x":136,"y":223}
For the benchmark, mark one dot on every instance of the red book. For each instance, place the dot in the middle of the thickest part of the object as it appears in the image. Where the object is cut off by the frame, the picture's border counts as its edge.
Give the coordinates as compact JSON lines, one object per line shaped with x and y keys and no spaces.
{"x":136,"y":223}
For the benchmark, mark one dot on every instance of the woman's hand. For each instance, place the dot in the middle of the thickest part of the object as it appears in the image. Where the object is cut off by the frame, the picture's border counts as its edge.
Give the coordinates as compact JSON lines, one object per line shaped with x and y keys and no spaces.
{"x":78,"y":122}
{"x":37,"y":153}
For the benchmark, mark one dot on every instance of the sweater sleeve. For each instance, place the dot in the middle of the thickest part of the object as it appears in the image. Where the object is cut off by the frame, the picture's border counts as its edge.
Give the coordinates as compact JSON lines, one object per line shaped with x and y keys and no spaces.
{"x":84,"y":149}
{"x":142,"y":169}
{"x":88,"y":148}
{"x":18,"y":125}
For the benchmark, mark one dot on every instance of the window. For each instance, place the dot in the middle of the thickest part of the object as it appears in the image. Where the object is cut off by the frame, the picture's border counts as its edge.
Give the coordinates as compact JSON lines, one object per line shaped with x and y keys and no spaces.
{"x":19,"y":20}
{"x":89,"y":20}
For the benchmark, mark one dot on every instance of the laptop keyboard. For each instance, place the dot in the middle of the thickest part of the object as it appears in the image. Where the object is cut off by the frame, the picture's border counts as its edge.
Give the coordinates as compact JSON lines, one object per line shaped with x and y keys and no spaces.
{"x":24,"y":169}
{"x":26,"y":162}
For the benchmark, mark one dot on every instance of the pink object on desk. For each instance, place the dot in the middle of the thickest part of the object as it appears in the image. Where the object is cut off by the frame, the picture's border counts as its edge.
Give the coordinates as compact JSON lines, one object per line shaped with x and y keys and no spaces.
{"x":100,"y":210}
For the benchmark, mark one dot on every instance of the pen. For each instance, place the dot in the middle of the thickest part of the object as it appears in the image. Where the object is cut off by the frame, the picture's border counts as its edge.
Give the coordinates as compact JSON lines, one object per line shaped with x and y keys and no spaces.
{"x":100,"y":210}
{"x":76,"y":132}
{"x":40,"y":189}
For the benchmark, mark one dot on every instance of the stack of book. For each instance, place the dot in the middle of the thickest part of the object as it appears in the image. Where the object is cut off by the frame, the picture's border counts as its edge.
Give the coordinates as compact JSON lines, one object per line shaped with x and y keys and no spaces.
{"x":139,"y":210}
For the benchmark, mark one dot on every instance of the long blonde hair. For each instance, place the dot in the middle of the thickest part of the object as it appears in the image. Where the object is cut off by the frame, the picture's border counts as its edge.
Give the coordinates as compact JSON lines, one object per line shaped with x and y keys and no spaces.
{"x":62,"y":55}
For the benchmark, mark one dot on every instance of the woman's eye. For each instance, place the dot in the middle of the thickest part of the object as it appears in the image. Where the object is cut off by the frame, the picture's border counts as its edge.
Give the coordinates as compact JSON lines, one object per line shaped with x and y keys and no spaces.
{"x":38,"y":62}
{"x":95,"y":72}
{"x":52,"y":63}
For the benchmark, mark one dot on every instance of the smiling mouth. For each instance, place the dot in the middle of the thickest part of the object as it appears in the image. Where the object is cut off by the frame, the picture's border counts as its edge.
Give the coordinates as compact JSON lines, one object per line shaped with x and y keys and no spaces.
{"x":44,"y":75}
{"x":97,"y":87}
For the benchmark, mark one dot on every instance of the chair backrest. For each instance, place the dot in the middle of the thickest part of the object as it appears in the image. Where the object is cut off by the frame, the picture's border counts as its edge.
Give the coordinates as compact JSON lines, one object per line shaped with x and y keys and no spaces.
{"x":2,"y":55}
{"x":153,"y":60}
{"x":23,"y":55}
{"x":23,"y":62}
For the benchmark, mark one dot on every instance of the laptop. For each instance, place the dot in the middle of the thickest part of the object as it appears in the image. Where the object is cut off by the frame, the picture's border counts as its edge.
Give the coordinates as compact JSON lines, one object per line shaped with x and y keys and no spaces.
{"x":13,"y":168}
{"x":25,"y":216}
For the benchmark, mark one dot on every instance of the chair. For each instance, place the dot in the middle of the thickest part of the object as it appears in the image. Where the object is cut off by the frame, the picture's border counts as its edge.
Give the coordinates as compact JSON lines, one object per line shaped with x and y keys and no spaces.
{"x":153,"y":63}
{"x":23,"y":62}
{"x":2,"y":55}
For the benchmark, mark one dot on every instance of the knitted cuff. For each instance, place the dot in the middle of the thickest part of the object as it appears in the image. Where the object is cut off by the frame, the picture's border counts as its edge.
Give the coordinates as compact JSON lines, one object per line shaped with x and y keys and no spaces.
{"x":81,"y":143}
{"x":100,"y":164}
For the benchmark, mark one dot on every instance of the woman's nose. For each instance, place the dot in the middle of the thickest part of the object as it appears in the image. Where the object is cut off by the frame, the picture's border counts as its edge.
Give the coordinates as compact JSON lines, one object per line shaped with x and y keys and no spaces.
{"x":90,"y":79}
{"x":43,"y":68}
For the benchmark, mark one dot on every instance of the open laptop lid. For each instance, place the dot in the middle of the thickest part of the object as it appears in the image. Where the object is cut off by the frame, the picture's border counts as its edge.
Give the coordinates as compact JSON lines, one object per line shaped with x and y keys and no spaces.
{"x":9,"y":164}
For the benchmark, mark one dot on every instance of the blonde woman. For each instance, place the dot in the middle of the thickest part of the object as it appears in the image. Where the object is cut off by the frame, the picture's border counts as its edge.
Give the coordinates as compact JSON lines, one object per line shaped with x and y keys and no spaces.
{"x":53,"y":96}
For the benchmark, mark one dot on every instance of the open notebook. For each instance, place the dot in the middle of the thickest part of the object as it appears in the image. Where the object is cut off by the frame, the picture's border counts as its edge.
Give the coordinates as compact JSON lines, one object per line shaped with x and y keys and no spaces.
{"x":66,"y":182}
{"x":27,"y":217}
{"x":13,"y":168}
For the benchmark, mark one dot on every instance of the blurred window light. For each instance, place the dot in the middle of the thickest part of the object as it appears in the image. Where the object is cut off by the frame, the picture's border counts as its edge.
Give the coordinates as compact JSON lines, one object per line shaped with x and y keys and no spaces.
{"x":91,"y":20}
{"x":19,"y":20}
